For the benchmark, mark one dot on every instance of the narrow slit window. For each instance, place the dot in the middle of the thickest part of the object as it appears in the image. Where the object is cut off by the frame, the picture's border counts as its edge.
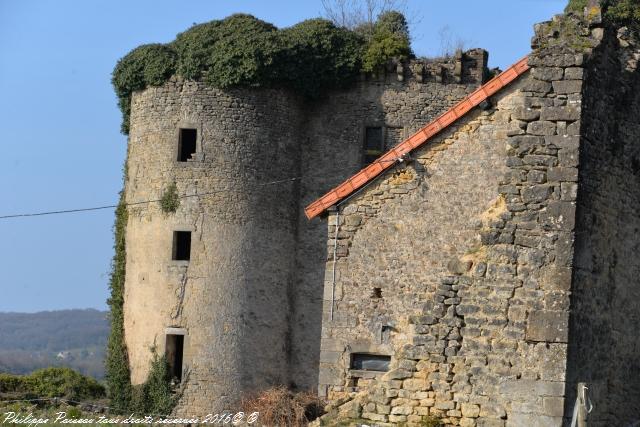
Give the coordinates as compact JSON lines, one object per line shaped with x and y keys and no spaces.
{"x":370,"y":362}
{"x":187,"y":144}
{"x":373,"y":144}
{"x":174,"y":352}
{"x":181,"y":245}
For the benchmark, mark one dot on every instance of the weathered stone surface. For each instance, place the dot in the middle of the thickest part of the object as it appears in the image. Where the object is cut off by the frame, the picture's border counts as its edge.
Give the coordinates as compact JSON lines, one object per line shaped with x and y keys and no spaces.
{"x":548,"y":73}
{"x":541,"y":128}
{"x":568,"y":113}
{"x":547,"y":326}
{"x":567,"y":86}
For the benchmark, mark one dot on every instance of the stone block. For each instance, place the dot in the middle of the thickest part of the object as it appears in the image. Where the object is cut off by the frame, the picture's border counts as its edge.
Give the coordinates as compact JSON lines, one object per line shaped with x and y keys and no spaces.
{"x":525,"y":114}
{"x":559,"y":215}
{"x":573,"y":73}
{"x":569,"y":191}
{"x":527,"y":389}
{"x":467,"y":422}
{"x":374,"y":417}
{"x":397,"y":374}
{"x":569,"y":157}
{"x":562,"y":87}
{"x":492,"y":410}
{"x":536,"y":193}
{"x":415,"y":384}
{"x":563,"y":141}
{"x":540,"y":160}
{"x":562,"y":174}
{"x":547,"y":326}
{"x":541,"y":127}
{"x":567,"y":113}
{"x":538,"y":86}
{"x":330,"y":376}
{"x":548,"y":73}
{"x":553,"y":406}
{"x":330,"y":356}
{"x":397,"y":418}
{"x":470,"y":410}
{"x":402,"y":410}
{"x":517,"y":419}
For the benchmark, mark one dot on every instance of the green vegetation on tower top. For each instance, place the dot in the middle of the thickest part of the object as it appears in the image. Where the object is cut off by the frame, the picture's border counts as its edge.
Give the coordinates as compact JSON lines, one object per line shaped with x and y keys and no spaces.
{"x":617,"y":12}
{"x":241,"y":50}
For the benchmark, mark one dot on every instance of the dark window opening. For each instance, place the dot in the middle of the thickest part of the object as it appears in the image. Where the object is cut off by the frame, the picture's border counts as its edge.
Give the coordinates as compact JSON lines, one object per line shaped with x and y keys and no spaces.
{"x":373,"y":144}
{"x":174,"y":351}
{"x":181,"y":245}
{"x":187,"y":144}
{"x":377,"y":293}
{"x":370,"y":362}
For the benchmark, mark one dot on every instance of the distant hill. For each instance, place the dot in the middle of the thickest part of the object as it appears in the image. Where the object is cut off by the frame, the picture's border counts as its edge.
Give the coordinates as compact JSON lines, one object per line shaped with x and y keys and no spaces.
{"x":73,"y":338}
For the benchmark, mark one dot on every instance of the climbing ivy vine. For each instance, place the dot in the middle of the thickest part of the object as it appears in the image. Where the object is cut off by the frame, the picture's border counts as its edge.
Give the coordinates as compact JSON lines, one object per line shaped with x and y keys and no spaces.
{"x":241,"y":50}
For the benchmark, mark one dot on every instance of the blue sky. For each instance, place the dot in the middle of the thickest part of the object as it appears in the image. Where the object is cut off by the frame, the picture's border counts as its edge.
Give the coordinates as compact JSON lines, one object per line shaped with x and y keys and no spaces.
{"x":60,"y":122}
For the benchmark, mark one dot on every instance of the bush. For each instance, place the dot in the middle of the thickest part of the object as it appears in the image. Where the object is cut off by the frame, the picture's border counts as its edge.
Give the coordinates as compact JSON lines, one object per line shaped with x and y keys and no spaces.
{"x":117,"y":362}
{"x":147,"y":65}
{"x":53,"y":382}
{"x":390,"y":40}
{"x":316,"y":56}
{"x":281,"y":407}
{"x":623,"y":12}
{"x":155,"y":395}
{"x":12,"y":383}
{"x":169,"y":202}
{"x":576,"y":6}
{"x":617,"y":12}
{"x":241,"y":50}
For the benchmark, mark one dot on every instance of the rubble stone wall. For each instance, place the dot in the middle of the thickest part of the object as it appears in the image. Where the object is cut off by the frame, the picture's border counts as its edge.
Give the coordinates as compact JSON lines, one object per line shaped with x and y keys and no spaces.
{"x":249,"y":301}
{"x":605,"y":319}
{"x":471,"y":249}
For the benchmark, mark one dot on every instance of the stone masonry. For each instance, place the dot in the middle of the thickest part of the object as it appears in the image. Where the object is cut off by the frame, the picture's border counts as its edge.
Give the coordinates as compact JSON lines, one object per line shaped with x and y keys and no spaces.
{"x":496,"y":266}
{"x":249,"y":301}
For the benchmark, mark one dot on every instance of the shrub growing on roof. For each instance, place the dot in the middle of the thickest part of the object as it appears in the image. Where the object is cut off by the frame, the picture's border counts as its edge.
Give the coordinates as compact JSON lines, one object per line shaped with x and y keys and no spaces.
{"x":390,"y":39}
{"x":241,"y":50}
{"x":617,"y":12}
{"x":146,"y":65}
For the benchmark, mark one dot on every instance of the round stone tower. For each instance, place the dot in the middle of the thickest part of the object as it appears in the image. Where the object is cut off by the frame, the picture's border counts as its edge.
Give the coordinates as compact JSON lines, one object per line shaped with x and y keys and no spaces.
{"x":209,"y":284}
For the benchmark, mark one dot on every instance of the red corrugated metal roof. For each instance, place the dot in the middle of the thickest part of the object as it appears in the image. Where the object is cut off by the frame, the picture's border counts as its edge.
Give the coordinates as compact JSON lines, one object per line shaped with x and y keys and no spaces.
{"x":388,"y":159}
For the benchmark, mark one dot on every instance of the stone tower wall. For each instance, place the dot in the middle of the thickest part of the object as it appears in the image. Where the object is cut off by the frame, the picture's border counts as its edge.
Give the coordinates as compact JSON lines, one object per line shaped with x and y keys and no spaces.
{"x":231,"y":298}
{"x":605,"y":321}
{"x":250,"y":299}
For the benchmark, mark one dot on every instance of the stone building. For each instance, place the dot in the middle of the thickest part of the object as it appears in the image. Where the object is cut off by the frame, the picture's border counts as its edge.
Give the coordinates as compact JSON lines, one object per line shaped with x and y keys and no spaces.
{"x":475,"y":272}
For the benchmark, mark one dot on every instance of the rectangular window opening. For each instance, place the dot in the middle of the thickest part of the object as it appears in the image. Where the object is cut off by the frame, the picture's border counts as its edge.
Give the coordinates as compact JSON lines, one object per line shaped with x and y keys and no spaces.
{"x":174,"y":351}
{"x":187,"y":144}
{"x":373,"y":144}
{"x":370,"y":362}
{"x":181,"y":245}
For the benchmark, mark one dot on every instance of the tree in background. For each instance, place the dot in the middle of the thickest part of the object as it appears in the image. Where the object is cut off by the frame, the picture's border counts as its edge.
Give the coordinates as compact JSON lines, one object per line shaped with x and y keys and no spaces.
{"x":354,"y":14}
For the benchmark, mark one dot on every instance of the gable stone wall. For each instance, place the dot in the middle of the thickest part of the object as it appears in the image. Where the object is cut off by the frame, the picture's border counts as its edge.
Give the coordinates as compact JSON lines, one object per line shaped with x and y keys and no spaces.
{"x":471,"y":245}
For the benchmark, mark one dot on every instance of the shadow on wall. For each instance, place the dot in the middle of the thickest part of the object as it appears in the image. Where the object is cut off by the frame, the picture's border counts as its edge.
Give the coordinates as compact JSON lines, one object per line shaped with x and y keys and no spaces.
{"x":605,"y":318}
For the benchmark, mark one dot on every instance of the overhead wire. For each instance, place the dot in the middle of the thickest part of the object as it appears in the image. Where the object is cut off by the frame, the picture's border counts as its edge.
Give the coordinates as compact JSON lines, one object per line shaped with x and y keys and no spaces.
{"x":142,"y":202}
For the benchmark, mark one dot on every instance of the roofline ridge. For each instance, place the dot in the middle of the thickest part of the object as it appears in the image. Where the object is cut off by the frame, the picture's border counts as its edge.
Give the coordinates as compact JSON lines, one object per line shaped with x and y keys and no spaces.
{"x":419,"y":138}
